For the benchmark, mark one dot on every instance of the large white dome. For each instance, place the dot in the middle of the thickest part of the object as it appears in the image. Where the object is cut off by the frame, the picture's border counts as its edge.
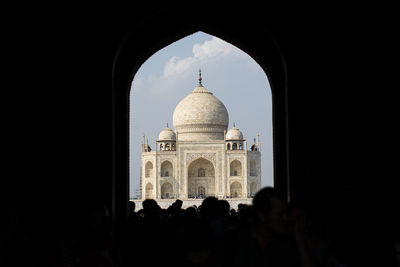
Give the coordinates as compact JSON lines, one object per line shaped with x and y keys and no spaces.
{"x":200,"y":116}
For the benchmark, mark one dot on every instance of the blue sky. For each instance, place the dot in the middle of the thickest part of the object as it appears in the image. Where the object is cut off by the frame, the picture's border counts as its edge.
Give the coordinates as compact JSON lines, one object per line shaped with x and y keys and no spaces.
{"x":172,"y":73}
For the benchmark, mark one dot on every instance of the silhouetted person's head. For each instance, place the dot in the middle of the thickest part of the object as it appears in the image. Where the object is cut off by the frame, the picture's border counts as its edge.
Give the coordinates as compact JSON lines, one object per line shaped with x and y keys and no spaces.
{"x":241,"y":207}
{"x":270,"y":210}
{"x":223,"y":208}
{"x":209,"y":207}
{"x":178,"y":203}
{"x":191,"y":213}
{"x":150,"y":206}
{"x":232,"y":212}
{"x":175,"y":207}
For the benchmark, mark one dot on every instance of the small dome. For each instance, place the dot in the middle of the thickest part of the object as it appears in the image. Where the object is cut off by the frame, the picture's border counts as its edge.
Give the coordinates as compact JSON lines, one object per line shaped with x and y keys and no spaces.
{"x":234,"y":134}
{"x":167,"y":135}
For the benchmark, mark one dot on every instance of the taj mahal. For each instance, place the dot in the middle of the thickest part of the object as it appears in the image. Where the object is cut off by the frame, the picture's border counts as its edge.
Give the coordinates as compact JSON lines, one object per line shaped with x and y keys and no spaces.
{"x":199,"y":157}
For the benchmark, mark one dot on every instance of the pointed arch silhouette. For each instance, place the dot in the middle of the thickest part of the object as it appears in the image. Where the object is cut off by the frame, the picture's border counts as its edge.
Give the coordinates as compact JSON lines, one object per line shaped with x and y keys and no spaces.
{"x":244,"y":34}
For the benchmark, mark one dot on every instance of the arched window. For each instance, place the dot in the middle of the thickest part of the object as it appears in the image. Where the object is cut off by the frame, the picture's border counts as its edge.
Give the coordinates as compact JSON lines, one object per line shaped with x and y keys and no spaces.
{"x":167,"y":146}
{"x":228,"y":146}
{"x":236,"y":190}
{"x":166,"y":169}
{"x":166,"y":190}
{"x":236,"y":168}
{"x":148,"y":169}
{"x":201,"y":172}
{"x":161,"y":146}
{"x":173,"y":147}
{"x":234,"y":146}
{"x":253,"y":168}
{"x":240,"y":146}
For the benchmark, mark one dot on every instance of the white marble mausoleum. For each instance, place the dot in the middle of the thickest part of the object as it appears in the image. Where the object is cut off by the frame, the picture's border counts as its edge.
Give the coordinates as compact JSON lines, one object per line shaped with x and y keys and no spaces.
{"x":200,"y":157}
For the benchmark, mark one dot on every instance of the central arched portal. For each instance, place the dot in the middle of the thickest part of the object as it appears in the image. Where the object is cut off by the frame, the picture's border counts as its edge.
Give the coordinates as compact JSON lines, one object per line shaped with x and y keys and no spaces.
{"x":201,"y":179}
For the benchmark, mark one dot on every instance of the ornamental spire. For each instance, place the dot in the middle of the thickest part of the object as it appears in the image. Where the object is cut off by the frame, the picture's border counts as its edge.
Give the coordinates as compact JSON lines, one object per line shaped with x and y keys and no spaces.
{"x":200,"y":78}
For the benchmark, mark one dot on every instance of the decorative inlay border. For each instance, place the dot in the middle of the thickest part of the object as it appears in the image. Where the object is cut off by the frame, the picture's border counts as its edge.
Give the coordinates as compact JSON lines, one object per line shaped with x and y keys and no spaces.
{"x":192,"y":156}
{"x":190,"y":128}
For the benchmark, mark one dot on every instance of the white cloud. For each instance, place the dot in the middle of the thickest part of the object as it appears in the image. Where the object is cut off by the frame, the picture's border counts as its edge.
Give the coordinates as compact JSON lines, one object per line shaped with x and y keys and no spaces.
{"x":211,"y":49}
{"x":176,"y":65}
{"x":214,"y":47}
{"x":214,"y":55}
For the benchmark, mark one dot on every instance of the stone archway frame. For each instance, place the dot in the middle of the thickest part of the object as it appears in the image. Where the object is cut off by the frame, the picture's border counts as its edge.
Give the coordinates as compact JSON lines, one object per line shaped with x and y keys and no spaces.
{"x":246,"y":34}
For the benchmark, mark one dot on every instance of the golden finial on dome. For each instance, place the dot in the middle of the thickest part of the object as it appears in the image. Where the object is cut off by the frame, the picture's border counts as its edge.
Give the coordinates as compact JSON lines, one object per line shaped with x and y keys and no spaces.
{"x":200,"y":78}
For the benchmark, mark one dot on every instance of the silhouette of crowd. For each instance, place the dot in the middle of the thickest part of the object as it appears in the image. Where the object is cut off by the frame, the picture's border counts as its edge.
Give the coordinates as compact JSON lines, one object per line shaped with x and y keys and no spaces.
{"x":266,"y":233}
{"x":269,"y":232}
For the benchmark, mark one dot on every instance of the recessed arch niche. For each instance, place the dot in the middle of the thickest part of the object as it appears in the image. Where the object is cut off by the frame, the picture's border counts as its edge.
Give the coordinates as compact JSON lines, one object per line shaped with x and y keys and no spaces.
{"x":201,"y":178}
